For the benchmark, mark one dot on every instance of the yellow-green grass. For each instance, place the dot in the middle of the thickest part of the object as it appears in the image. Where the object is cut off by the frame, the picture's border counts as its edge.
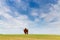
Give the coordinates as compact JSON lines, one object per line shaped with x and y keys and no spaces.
{"x":29,"y":37}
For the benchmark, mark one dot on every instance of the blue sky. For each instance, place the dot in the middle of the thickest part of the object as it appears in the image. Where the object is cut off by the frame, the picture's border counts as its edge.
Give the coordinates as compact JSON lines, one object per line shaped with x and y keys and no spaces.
{"x":39,"y":16}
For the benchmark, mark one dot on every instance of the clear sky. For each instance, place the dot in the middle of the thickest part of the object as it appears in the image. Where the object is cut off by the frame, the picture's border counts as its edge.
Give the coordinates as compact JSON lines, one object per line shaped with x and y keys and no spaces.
{"x":39,"y":16}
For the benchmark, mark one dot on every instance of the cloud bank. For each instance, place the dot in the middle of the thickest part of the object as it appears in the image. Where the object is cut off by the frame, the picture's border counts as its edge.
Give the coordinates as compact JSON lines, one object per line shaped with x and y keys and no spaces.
{"x":39,"y":18}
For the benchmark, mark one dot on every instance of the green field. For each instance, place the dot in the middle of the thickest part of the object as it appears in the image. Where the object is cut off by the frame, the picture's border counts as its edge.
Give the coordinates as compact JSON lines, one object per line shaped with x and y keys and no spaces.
{"x":30,"y":37}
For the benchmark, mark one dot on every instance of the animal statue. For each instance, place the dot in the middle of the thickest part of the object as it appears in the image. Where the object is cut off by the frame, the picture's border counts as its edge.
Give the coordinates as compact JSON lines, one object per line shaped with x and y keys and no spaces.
{"x":26,"y":31}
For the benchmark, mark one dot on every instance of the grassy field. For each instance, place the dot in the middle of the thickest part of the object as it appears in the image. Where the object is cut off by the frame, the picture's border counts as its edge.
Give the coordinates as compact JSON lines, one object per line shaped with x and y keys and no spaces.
{"x":30,"y":37}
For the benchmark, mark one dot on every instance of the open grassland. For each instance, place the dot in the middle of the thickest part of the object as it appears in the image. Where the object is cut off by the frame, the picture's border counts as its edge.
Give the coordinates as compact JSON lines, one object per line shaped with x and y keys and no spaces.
{"x":30,"y":37}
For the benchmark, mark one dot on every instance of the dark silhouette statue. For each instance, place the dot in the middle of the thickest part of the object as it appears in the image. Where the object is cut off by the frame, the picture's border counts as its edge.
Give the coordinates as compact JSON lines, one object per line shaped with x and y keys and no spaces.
{"x":26,"y":31}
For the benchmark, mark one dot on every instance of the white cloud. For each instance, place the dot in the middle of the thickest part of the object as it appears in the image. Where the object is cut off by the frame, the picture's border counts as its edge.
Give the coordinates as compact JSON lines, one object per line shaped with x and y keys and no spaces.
{"x":20,"y":22}
{"x":42,"y":15}
{"x":23,"y":17}
{"x":34,"y":13}
{"x":12,"y":23}
{"x":55,"y":12}
{"x":37,"y":19}
{"x":44,"y":31}
{"x":51,"y":27}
